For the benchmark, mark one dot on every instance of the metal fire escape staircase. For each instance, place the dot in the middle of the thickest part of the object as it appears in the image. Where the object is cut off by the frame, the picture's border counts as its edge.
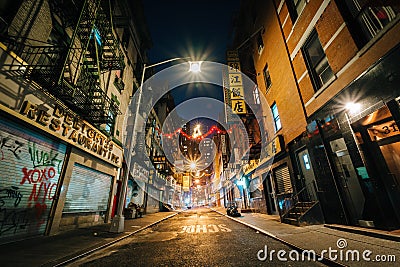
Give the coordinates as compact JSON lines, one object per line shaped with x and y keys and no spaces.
{"x":303,"y":208}
{"x":94,"y":50}
{"x":73,"y":74}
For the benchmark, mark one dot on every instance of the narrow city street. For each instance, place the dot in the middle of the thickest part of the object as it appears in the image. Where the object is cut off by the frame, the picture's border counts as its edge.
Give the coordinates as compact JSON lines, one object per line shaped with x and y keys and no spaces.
{"x":196,"y":237}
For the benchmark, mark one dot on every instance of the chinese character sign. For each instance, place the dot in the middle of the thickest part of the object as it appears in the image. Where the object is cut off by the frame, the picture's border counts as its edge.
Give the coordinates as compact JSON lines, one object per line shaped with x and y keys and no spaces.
{"x":238,"y":103}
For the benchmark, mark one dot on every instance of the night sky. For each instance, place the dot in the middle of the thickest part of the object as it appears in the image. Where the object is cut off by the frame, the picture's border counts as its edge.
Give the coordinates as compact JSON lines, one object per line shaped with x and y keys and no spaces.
{"x":201,"y":29}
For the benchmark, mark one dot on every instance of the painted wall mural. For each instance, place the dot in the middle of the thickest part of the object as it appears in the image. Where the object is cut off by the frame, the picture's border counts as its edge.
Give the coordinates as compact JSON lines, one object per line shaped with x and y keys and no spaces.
{"x":30,"y":167}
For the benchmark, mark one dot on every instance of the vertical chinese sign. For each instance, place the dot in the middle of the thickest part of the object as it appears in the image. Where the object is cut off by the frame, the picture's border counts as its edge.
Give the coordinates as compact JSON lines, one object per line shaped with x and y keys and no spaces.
{"x":236,"y":92}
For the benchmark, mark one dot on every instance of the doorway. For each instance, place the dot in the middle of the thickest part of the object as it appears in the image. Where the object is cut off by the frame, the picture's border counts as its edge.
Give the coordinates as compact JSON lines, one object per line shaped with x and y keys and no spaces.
{"x":270,"y":194}
{"x":391,"y":153}
{"x":348,"y":179}
{"x":379,"y":137}
{"x":307,"y":173}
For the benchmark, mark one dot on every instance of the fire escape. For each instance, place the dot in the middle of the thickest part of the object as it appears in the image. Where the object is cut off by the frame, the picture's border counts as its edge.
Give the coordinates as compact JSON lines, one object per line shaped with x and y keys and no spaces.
{"x":72,"y":73}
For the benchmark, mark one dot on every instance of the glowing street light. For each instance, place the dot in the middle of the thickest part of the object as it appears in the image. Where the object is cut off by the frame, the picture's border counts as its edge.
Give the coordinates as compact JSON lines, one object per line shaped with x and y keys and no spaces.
{"x":195,"y":66}
{"x":193,"y":165}
{"x":353,"y":108}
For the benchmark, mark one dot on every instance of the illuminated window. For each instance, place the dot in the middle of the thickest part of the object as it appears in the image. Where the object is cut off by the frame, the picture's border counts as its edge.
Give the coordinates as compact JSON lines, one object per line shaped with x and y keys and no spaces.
{"x":275,"y":115}
{"x":256,"y":95}
{"x":97,"y":36}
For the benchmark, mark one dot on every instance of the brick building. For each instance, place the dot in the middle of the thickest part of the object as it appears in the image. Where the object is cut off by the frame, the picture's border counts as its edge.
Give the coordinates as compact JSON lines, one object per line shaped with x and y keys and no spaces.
{"x":333,"y":69}
{"x":67,"y":72}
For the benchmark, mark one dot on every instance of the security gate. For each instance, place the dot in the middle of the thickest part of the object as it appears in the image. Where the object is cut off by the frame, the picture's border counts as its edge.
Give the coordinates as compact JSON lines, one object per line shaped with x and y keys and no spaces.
{"x":30,"y":167}
{"x":88,"y":191}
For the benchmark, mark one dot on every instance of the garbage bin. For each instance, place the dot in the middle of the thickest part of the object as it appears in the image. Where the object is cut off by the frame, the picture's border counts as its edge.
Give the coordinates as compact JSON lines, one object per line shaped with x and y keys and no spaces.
{"x":129,"y":213}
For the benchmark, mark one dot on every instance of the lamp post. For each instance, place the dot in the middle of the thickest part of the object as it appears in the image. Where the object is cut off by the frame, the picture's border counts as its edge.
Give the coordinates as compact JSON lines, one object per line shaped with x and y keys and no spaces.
{"x":117,"y":224}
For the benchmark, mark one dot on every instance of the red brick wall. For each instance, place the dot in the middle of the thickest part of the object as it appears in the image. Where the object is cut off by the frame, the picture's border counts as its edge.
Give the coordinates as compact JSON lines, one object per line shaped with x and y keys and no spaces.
{"x":299,"y":65}
{"x":368,"y":58}
{"x":328,"y":23}
{"x":343,"y":47}
{"x":287,"y":28}
{"x":341,"y":50}
{"x":306,"y":88}
{"x":302,"y":23}
{"x":283,"y":90}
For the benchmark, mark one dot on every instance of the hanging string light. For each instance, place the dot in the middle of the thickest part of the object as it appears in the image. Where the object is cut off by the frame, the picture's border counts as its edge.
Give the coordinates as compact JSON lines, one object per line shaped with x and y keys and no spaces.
{"x":196,"y":134}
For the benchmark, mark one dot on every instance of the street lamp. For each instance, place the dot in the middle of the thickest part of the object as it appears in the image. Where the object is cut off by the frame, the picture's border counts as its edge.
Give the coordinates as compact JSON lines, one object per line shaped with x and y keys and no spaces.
{"x":195,"y":66}
{"x":117,"y":224}
{"x":353,"y":108}
{"x":193,"y":166}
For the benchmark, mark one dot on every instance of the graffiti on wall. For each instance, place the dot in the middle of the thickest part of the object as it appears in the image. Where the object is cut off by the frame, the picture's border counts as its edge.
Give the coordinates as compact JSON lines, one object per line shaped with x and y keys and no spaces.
{"x":8,"y":143}
{"x":30,"y":167}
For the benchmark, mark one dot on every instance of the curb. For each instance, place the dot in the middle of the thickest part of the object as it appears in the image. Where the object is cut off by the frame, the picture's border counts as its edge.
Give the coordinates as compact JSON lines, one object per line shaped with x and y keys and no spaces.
{"x":364,"y":232}
{"x":324,"y":260}
{"x":114,"y":241}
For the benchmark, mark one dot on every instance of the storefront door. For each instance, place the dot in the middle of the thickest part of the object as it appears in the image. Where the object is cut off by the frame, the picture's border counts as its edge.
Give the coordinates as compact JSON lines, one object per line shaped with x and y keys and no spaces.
{"x":381,"y":147}
{"x":307,"y":171}
{"x":348,"y":179}
{"x":391,"y":153}
{"x":270,"y":194}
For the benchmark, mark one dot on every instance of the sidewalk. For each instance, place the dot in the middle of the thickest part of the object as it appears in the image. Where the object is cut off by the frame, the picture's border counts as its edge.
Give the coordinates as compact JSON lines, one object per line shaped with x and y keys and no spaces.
{"x":319,"y":237}
{"x":54,"y":250}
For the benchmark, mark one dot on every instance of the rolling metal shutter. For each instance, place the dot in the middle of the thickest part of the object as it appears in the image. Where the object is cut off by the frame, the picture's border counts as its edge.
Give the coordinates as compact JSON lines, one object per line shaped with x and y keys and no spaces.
{"x":30,"y":167}
{"x":282,"y":177}
{"x":88,"y":190}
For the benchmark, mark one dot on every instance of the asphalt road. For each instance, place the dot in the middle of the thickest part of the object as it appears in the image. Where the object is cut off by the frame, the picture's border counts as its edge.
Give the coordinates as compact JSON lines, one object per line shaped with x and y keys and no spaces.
{"x":196,"y":237}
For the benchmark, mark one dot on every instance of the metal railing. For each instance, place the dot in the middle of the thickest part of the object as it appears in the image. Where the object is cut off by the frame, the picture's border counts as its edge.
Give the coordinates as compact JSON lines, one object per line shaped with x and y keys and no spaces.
{"x":287,"y":202}
{"x":372,"y":19}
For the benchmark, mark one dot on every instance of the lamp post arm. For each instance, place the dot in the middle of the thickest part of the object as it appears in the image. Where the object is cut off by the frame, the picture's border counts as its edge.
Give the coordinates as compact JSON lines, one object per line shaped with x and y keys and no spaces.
{"x":163,"y":62}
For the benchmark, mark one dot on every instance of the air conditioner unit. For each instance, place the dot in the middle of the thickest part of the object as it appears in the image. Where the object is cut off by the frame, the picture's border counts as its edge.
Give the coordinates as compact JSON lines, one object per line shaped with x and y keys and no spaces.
{"x":119,"y":83}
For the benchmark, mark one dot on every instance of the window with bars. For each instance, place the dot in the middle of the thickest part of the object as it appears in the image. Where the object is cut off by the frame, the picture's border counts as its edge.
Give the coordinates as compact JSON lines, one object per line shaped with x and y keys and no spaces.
{"x":317,"y":63}
{"x":367,"y":18}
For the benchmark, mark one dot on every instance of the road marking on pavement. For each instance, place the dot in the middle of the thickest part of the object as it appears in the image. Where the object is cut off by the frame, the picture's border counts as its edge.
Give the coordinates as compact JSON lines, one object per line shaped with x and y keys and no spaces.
{"x":204,"y":228}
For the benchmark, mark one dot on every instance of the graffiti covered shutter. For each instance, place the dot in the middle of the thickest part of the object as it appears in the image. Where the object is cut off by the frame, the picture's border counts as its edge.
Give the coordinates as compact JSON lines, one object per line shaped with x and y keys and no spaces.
{"x":88,"y":190}
{"x":30,"y":167}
